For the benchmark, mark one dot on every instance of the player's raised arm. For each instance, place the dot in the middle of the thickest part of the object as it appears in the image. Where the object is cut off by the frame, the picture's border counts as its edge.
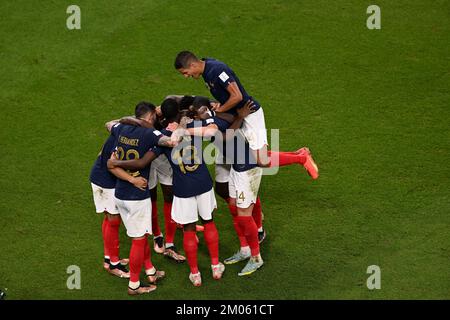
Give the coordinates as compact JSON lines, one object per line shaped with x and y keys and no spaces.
{"x":233,"y":100}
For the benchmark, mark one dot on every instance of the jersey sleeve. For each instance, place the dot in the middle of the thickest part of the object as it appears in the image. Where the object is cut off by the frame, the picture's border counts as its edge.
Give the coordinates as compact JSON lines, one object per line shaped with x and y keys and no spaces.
{"x":224,"y":77}
{"x":116,"y":129}
{"x":157,"y":150}
{"x":153,"y":137}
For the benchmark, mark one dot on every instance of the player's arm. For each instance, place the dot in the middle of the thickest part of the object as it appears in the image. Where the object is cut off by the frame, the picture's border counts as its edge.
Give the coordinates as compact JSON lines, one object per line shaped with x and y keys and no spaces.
{"x":224,"y":116}
{"x":239,"y":119}
{"x":208,"y":131}
{"x":233,"y":100}
{"x":166,"y":141}
{"x":134,"y":164}
{"x":138,"y":182}
{"x":133,"y":121}
{"x":111,"y":124}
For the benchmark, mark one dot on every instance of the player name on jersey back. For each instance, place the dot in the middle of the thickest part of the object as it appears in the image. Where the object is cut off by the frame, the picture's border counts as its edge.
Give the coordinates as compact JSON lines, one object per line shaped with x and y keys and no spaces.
{"x":132,"y":143}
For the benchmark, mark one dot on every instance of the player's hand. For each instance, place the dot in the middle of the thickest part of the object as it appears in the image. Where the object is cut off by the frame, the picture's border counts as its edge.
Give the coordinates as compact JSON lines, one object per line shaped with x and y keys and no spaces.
{"x":172,"y":126}
{"x":111,"y":164}
{"x":139,"y":182}
{"x":215,"y":106}
{"x":185,"y":121}
{"x":247,"y":109}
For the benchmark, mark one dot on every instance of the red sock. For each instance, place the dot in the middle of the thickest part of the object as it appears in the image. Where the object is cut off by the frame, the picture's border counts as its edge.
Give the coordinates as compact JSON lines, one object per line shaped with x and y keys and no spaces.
{"x":147,"y":256}
{"x":257,"y":213}
{"x":136,"y":258}
{"x":112,"y":238}
{"x":248,"y":225}
{"x":280,"y":159}
{"x":105,"y":241}
{"x":155,"y":225}
{"x":212,"y":241}
{"x":171,"y":226}
{"x":239,"y":231}
{"x":190,"y":245}
{"x":232,"y":208}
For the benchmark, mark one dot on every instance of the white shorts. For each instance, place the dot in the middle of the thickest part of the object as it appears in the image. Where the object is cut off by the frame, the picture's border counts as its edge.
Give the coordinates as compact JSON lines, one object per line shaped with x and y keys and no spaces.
{"x":222,"y":172}
{"x":160,"y":170}
{"x":254,"y":129}
{"x":104,"y":199}
{"x":244,"y":186}
{"x":136,"y":216}
{"x":187,"y":210}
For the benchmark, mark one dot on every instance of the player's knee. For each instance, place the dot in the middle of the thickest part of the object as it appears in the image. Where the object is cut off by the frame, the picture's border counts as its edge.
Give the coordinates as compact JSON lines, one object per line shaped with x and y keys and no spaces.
{"x":168,"y":198}
{"x":206,"y":221}
{"x":167,"y":193}
{"x":245,"y":211}
{"x":154,"y":194}
{"x":113,"y":217}
{"x":189,"y":227}
{"x":263,"y":162}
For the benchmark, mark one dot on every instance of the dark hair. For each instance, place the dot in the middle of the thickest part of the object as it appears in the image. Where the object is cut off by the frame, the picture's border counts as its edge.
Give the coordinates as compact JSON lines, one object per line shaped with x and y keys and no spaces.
{"x":200,"y":102}
{"x":169,"y":109}
{"x":184,"y":59}
{"x":186,"y":102}
{"x":142,"y":108}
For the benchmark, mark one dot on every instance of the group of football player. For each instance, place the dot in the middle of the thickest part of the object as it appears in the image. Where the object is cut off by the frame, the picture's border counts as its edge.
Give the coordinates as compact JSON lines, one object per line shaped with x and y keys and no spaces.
{"x":165,"y":144}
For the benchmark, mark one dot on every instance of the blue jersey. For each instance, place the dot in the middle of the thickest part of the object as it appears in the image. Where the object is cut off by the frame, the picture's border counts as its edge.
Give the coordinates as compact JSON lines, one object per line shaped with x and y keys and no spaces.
{"x":190,"y":173}
{"x":244,"y":158}
{"x":237,"y":152}
{"x":218,"y":76}
{"x":100,"y":174}
{"x":132,"y":143}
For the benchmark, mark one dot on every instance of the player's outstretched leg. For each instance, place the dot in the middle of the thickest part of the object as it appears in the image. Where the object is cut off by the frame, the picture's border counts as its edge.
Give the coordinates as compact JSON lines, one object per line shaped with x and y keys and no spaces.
{"x":301,"y":156}
{"x":309,"y":163}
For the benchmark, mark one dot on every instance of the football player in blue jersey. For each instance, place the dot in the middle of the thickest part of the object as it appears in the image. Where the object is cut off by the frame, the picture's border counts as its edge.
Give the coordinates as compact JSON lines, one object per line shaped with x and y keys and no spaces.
{"x":134,"y":204}
{"x":103,"y":186}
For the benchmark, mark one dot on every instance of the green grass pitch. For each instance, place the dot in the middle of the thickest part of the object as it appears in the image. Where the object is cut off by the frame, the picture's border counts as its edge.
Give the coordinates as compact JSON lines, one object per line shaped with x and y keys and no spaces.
{"x":373,"y":106}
